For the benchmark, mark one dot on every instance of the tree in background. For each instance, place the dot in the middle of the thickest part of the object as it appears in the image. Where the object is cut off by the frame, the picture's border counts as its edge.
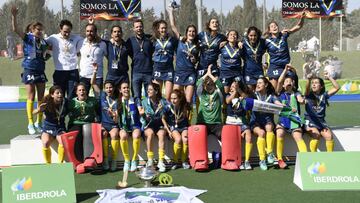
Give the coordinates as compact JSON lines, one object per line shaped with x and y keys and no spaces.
{"x":35,"y":11}
{"x":250,"y":13}
{"x":187,"y":15}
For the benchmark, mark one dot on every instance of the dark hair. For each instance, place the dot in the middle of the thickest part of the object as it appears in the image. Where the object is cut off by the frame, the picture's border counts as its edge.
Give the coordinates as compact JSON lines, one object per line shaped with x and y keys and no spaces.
{"x":138,"y":21}
{"x":114,"y":26}
{"x":196,"y":39}
{"x":207,"y":81}
{"x":95,"y":28}
{"x":80,"y":84}
{"x":157,"y":89}
{"x":207,"y":24}
{"x":28,"y":28}
{"x":267,"y":32}
{"x":119,"y":97}
{"x":156,"y":26}
{"x":50,"y":104}
{"x":115,"y":90}
{"x":65,"y":22}
{"x":233,"y":30}
{"x":35,"y":24}
{"x":182,"y":100}
{"x":312,"y":95}
{"x":256,"y":30}
{"x":269,"y":88}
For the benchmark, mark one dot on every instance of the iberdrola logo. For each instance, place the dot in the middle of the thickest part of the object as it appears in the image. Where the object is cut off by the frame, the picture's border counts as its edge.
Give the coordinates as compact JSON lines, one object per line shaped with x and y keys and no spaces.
{"x":22,"y":184}
{"x":316,"y":168}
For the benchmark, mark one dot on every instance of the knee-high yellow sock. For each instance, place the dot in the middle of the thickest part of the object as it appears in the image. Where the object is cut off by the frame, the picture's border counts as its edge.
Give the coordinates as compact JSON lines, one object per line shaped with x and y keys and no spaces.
{"x":39,"y":116}
{"x":114,"y":149}
{"x":177,"y":150}
{"x":105,"y":144}
{"x":47,"y":154}
{"x":136,"y":147}
{"x":329,"y":145}
{"x":161,"y":154}
{"x":313,"y":145}
{"x":248,"y":149}
{"x":279,"y":147}
{"x":270,"y":139}
{"x":150,"y":155}
{"x":61,"y":153}
{"x":184,"y":154}
{"x":261,"y":147}
{"x":301,"y":145}
{"x":29,"y":110}
{"x":125,"y":149}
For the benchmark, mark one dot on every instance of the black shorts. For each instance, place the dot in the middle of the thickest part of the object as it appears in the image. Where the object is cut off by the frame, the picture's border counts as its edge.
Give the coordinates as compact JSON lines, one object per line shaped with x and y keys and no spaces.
{"x":33,"y":77}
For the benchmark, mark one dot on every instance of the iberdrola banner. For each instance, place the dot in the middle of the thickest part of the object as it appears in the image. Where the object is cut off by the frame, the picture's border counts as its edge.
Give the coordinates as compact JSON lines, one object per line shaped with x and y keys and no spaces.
{"x":110,"y":9}
{"x":312,"y":8}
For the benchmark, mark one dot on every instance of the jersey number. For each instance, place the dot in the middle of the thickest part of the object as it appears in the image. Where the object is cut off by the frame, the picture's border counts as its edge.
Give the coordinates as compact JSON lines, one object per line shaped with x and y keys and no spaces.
{"x":30,"y":77}
{"x":157,"y":74}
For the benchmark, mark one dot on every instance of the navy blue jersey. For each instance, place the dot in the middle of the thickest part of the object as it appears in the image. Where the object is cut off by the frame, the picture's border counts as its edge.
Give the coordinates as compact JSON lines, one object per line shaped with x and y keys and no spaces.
{"x":260,"y":117}
{"x":184,"y":52}
{"x":34,"y":51}
{"x":153,"y":111}
{"x":230,"y":59}
{"x":117,"y":59}
{"x":140,"y":51}
{"x":253,"y":57}
{"x":175,"y":118}
{"x":163,"y":56}
{"x":278,"y":49}
{"x":238,"y":112}
{"x":317,"y":105}
{"x":129,"y":115}
{"x":210,"y":49}
{"x":107,"y":103}
{"x":57,"y":118}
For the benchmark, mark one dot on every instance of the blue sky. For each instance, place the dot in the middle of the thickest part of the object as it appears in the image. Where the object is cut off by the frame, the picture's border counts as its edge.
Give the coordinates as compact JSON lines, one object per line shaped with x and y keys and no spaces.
{"x":228,"y":5}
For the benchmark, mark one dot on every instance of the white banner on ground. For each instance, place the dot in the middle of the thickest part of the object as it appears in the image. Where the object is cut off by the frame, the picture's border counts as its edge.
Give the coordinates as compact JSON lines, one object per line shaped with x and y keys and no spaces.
{"x":153,"y":195}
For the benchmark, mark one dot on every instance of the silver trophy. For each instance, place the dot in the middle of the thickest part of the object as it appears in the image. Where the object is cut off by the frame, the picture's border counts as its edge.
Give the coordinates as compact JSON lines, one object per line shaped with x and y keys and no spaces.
{"x":174,"y":5}
{"x":147,"y":174}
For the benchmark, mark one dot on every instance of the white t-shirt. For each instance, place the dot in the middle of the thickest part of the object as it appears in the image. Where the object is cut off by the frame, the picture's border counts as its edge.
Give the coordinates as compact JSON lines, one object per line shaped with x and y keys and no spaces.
{"x":64,"y":51}
{"x":92,"y":53}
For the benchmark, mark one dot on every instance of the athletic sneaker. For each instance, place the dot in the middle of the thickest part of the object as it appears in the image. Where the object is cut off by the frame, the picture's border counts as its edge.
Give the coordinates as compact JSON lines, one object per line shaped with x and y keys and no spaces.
{"x":113,"y":165}
{"x":263,"y":165}
{"x":38,"y":127}
{"x":133,"y":166}
{"x":150,"y":163}
{"x":186,"y":165}
{"x":271,"y":158}
{"x":105,"y":165}
{"x":162,"y":167}
{"x":282,"y":164}
{"x":247,"y":165}
{"x":242,"y":167}
{"x":31,"y":129}
{"x":126,"y":166}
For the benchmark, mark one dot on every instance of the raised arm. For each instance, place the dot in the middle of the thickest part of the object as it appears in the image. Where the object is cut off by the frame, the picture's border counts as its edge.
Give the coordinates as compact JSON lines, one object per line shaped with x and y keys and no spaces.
{"x":172,"y":22}
{"x":15,"y":29}
{"x":281,"y":81}
{"x":298,"y":26}
{"x":93,"y":81}
{"x":335,"y":85}
{"x":307,"y":87}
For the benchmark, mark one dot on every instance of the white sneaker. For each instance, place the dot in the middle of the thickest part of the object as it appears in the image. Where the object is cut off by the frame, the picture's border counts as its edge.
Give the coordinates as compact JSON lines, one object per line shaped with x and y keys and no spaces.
{"x":150,"y":163}
{"x":31,"y":129}
{"x":185,"y":165}
{"x":162,"y":167}
{"x":174,"y":166}
{"x":113,"y":165}
{"x":38,"y":127}
{"x":242,"y":167}
{"x":133,"y":166}
{"x":126,"y":166}
{"x":247,"y":165}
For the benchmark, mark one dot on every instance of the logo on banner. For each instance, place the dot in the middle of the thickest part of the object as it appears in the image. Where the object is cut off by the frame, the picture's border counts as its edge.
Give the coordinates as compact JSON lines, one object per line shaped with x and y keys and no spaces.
{"x":316,"y":168}
{"x":328,"y":8}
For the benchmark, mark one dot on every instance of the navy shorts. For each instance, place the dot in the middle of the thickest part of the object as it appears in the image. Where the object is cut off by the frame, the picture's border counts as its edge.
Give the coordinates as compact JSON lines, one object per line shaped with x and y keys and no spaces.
{"x":252,"y":79}
{"x":288,"y":129}
{"x":180,"y":129}
{"x":185,"y":78}
{"x":33,"y":77}
{"x":53,"y":130}
{"x":275,"y":71}
{"x":214,"y":71}
{"x":118,"y":79}
{"x":261,"y":123}
{"x":155,"y":127}
{"x":309,"y":123}
{"x":108,"y":127}
{"x":228,"y":81}
{"x":163,"y":75}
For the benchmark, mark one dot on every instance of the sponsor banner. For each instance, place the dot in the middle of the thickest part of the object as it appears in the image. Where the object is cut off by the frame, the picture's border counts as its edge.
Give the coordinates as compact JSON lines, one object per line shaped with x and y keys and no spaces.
{"x":110,"y":9}
{"x":346,"y":86}
{"x":39,"y":183}
{"x":313,"y":8}
{"x":327,"y":171}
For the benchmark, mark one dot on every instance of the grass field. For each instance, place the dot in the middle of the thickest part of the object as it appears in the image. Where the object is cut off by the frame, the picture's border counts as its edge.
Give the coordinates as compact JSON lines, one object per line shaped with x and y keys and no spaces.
{"x":223,"y":186}
{"x":11,"y":70}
